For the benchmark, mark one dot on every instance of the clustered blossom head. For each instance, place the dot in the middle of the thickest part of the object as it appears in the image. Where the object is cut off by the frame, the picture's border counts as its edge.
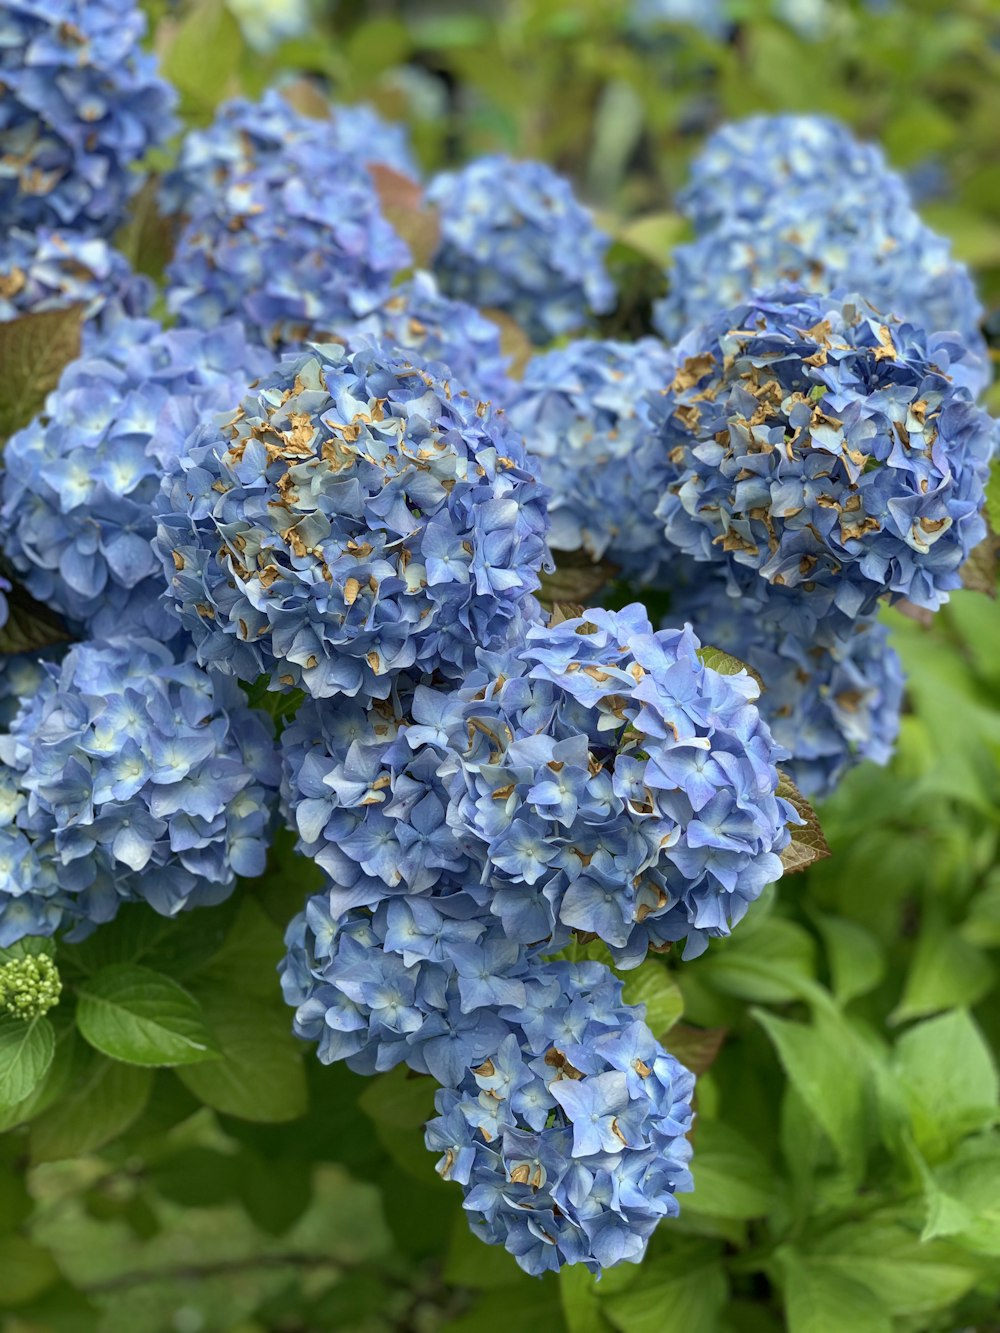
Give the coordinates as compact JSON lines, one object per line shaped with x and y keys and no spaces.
{"x":812,"y":443}
{"x":246,"y":135}
{"x":296,"y":247}
{"x":797,"y":201}
{"x":129,"y":775}
{"x":49,"y":270}
{"x":77,"y":509}
{"x":832,"y":691}
{"x":568,"y":1137}
{"x":357,"y":517}
{"x":82,"y":104}
{"x":515,"y":238}
{"x":584,"y":413}
{"x":29,"y":986}
{"x":419,"y":319}
{"x":614,"y":785}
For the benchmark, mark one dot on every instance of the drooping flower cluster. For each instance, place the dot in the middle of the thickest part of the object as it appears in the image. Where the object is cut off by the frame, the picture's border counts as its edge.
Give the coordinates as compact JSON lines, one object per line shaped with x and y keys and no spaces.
{"x":514,"y":238}
{"x":796,"y":201}
{"x":615,"y":785}
{"x":568,"y":1137}
{"x":357,"y":517}
{"x":584,"y":413}
{"x":247,"y":135}
{"x":423,"y":322}
{"x":295,"y":247}
{"x":832,"y":691}
{"x":129,"y":775}
{"x":817,"y":445}
{"x":82,"y":103}
{"x":77,"y":510}
{"x":50,"y":270}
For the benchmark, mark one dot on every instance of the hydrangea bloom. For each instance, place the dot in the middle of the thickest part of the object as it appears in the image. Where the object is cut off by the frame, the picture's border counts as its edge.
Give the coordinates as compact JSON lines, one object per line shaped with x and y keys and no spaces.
{"x":49,"y":270}
{"x":421,"y":320}
{"x":267,"y":23}
{"x":82,"y":103}
{"x":21,"y":675}
{"x":810,"y":442}
{"x":77,"y":509}
{"x":129,"y":775}
{"x":613,"y":784}
{"x":832,"y":692}
{"x":708,"y":15}
{"x":568,"y":1136}
{"x":747,"y":164}
{"x":584,"y":413}
{"x":358,"y":517}
{"x":362,"y":791}
{"x":246,"y":135}
{"x":797,"y":200}
{"x":296,"y":248}
{"x":514,"y":238}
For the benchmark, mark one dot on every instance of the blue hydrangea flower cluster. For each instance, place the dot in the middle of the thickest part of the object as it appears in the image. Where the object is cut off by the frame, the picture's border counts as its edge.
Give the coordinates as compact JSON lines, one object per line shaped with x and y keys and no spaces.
{"x":707,"y":15}
{"x":77,"y":510}
{"x":584,"y":413}
{"x":418,"y":318}
{"x":129,"y":775}
{"x":514,"y":238}
{"x":559,"y":1113}
{"x":817,"y":445}
{"x":568,"y":1139}
{"x":295,"y":247}
{"x":246,"y":135}
{"x":50,"y":270}
{"x":833,"y":691}
{"x":82,"y":104}
{"x":357,"y":517}
{"x":616,"y":786}
{"x":796,"y":201}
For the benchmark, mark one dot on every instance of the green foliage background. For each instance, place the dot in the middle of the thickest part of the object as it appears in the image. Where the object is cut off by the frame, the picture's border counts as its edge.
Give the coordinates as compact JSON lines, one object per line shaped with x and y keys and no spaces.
{"x":173,"y":1162}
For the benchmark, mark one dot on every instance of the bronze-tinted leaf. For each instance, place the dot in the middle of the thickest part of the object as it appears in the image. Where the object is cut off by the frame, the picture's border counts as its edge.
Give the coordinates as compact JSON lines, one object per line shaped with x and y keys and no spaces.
{"x":696,"y":1048}
{"x":575,"y":579}
{"x":980,"y":570}
{"x":403,"y":205}
{"x":33,"y":351}
{"x":514,"y":342}
{"x":808,"y":843}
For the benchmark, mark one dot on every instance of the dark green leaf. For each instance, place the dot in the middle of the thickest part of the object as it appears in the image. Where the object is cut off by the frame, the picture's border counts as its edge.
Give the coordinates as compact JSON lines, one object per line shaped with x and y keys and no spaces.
{"x":33,"y":351}
{"x":102,"y":1101}
{"x":29,"y":625}
{"x":26,"y":1270}
{"x":26,"y":1051}
{"x":727,"y":665}
{"x":575,"y":580}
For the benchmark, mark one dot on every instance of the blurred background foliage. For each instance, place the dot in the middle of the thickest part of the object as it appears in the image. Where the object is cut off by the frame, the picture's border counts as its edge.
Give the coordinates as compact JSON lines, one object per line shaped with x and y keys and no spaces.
{"x":847,"y":1152}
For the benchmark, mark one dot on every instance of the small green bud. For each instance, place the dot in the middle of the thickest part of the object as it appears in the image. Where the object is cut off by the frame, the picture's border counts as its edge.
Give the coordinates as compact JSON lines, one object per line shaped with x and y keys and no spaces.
{"x":30,"y":986}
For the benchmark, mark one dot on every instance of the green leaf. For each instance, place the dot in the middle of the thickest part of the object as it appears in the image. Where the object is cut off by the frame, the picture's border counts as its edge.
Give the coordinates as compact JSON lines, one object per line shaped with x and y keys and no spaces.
{"x":26,"y":1051}
{"x":575,"y":580}
{"x":727,"y":665}
{"x":654,"y":236}
{"x":398,"y":1099}
{"x":808,"y":843}
{"x":963,"y":1197}
{"x":979,"y":572}
{"x":104,"y":1098}
{"x":203,"y":53}
{"x":821,"y":1060}
{"x":33,"y":351}
{"x":654,"y":986}
{"x":470,"y":1263}
{"x":993,"y":496}
{"x":259,"y":1076}
{"x":26,"y":1270}
{"x":132,"y":1013}
{"x":197,"y":1177}
{"x":731,"y":1178}
{"x":29,"y":625}
{"x":684,"y":1291}
{"x":773,"y":966}
{"x":946,"y":972}
{"x":857,"y":962}
{"x":949,"y":1081}
{"x":578,"y":1294}
{"x":820,"y":1301}
{"x":248,"y":958}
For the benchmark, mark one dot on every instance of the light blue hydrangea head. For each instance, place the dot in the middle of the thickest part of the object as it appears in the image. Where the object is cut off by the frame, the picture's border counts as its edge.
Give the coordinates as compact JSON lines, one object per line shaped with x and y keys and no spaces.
{"x":515,"y":238}
{"x":80,"y":481}
{"x":246,"y":135}
{"x":812,"y":443}
{"x":82,"y":105}
{"x":358,"y":517}
{"x":615,"y":786}
{"x":833,"y":690}
{"x":568,"y":1137}
{"x":295,"y":248}
{"x":419,"y":319}
{"x":708,"y":15}
{"x":584,"y":413}
{"x":48,"y":270}
{"x":129,"y":775}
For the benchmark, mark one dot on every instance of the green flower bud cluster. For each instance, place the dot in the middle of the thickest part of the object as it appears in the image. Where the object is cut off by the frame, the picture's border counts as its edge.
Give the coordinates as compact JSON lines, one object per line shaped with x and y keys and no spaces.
{"x":30,"y":986}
